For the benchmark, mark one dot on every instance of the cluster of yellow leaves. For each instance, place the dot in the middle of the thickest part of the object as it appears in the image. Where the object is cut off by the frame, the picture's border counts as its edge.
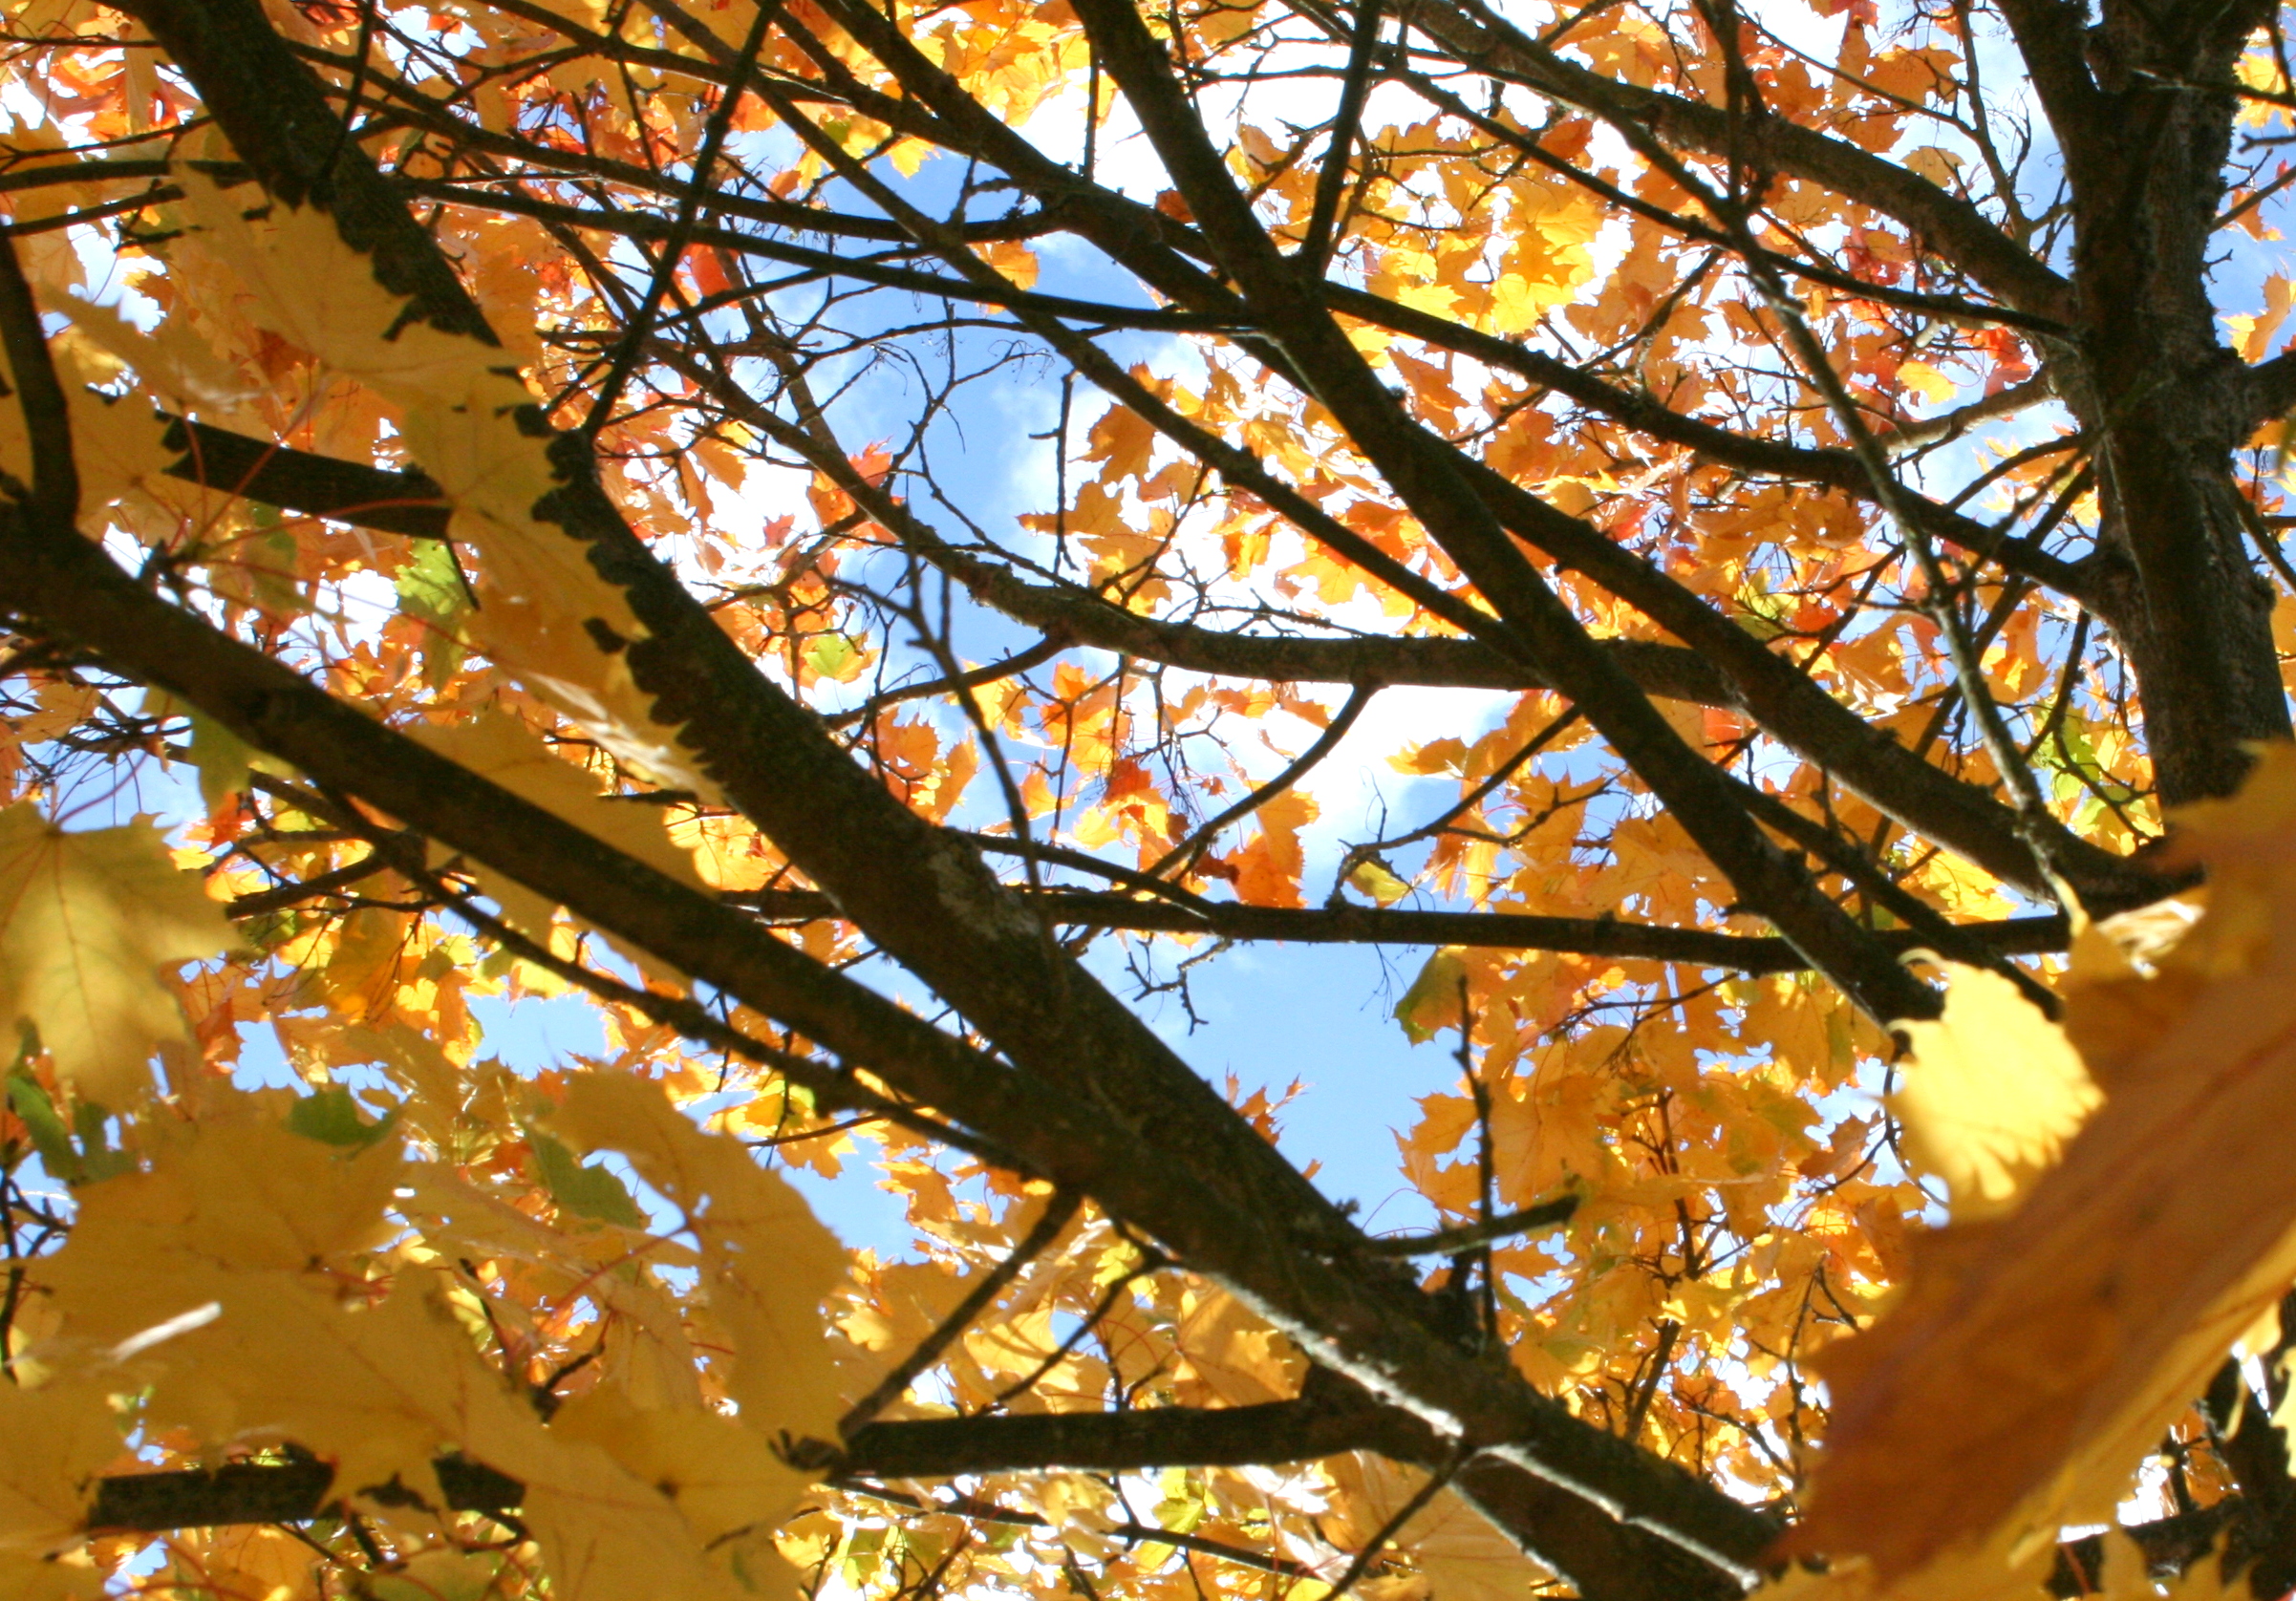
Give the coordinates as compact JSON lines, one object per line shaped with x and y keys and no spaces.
{"x":1190,"y":1345}
{"x":459,"y":407}
{"x":260,"y":1282}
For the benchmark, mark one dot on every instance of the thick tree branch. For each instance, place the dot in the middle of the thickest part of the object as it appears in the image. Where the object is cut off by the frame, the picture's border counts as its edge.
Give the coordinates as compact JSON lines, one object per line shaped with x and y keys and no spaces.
{"x":924,"y":1448}
{"x":1273,"y":1432}
{"x":2052,"y":40}
{"x":2271,"y":390}
{"x":303,"y":482}
{"x":1495,"y":930}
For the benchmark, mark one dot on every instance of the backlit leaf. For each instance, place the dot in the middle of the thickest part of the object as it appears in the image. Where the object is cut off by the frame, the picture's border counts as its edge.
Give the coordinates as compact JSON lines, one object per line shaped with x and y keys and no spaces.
{"x":90,"y":923}
{"x":1991,"y":1096}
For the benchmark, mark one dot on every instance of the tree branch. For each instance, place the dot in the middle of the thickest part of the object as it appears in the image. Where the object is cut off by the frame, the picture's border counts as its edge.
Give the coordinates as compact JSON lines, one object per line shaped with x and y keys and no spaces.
{"x":1059,"y":1210}
{"x":1132,"y":1441}
{"x":1613,"y":1562}
{"x":299,"y":481}
{"x":1494,"y":930}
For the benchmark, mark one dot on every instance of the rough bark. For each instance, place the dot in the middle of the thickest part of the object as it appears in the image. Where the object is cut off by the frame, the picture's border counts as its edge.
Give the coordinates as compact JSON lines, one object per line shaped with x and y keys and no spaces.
{"x":2142,"y":107}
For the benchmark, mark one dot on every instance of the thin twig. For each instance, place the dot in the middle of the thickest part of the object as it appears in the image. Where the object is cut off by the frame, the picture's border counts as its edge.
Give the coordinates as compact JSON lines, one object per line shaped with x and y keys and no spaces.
{"x":689,"y":207}
{"x":1154,"y":1260}
{"x":1466,"y":1236}
{"x":1315,"y":249}
{"x":1185,"y":854}
{"x":1358,"y":855}
{"x":1404,"y":1514}
{"x":1058,"y":1211}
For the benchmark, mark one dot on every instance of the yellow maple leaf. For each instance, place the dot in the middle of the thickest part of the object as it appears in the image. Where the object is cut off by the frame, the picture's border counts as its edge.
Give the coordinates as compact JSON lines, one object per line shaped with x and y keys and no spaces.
{"x":724,"y":1476}
{"x":256,"y":1563}
{"x":1992,"y":1093}
{"x":1014,"y":259}
{"x":269,"y":1240}
{"x":58,"y":1436}
{"x":1375,"y":880}
{"x":171,"y":360}
{"x":89,"y":920}
{"x":767,"y":1261}
{"x":606,"y":1532}
{"x":304,"y":285}
{"x":439,"y":1575}
{"x":1460,"y":1554}
{"x":1229,"y":1355}
{"x":1123,"y":439}
{"x":1433,"y":1001}
{"x":246,"y":1240}
{"x":1268,"y":866}
{"x":115,"y":442}
{"x":1926,"y":381}
{"x":71,"y":1578}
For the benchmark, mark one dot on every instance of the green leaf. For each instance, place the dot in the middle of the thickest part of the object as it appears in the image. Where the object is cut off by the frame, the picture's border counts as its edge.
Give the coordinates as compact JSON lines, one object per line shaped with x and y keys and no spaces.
{"x":1432,"y":1001}
{"x":431,"y":589}
{"x":832,"y":655}
{"x":864,"y":1553}
{"x":49,"y":1136}
{"x":1761,"y":613}
{"x":270,"y":561}
{"x":87,"y":1161}
{"x":1375,"y":880}
{"x":221,"y":757}
{"x":591,"y":1192}
{"x":331,"y":1116}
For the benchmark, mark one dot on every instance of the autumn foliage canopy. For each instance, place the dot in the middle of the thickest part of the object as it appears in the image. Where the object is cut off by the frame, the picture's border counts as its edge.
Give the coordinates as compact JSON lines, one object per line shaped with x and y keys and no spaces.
{"x":853,"y":556}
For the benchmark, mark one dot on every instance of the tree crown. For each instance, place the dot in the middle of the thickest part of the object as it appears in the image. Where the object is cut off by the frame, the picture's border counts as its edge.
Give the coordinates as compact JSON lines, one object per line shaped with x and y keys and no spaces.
{"x":860,"y":549}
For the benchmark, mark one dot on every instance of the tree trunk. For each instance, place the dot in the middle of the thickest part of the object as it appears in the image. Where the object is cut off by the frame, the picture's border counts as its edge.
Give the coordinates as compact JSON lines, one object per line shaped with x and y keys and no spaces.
{"x":2152,"y":383}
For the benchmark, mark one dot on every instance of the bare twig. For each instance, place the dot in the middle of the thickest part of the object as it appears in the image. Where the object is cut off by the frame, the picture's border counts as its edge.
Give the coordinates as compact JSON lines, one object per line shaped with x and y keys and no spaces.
{"x":1058,"y":1211}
